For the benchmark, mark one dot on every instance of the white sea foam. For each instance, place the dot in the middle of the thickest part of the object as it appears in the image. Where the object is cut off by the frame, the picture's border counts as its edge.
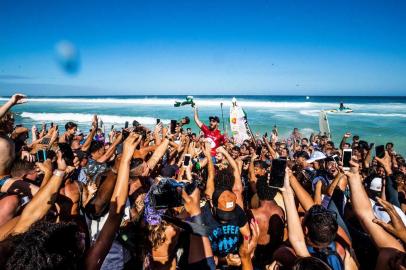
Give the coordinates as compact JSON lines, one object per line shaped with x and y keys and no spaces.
{"x":170,"y":101}
{"x":315,"y":113}
{"x":85,"y":118}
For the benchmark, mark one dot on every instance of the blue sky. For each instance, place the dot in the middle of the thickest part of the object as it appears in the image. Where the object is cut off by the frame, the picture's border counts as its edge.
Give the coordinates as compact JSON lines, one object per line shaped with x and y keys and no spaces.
{"x":205,"y":47}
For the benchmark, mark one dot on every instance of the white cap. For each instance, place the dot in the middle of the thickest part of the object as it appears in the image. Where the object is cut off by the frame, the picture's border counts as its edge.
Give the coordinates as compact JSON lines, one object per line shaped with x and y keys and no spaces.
{"x":316,"y":155}
{"x":382,"y":215}
{"x":376,"y":184}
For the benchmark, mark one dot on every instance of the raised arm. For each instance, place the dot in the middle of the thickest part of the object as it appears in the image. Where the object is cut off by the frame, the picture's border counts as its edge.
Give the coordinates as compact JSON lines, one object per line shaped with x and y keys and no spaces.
{"x":295,"y":232}
{"x":210,"y":168}
{"x":251,"y":171}
{"x":237,"y":187}
{"x":196,"y":116}
{"x":41,"y":202}
{"x":97,"y":253}
{"x":344,"y":140}
{"x":274,"y":155}
{"x":117,"y":140}
{"x":363,"y":210}
{"x":14,"y":100}
{"x":158,"y":154}
{"x":303,"y":196}
{"x":91,"y":135}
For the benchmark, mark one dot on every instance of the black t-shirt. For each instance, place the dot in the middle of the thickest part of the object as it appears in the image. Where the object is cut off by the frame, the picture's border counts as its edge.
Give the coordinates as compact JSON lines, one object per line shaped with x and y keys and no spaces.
{"x":225,"y":238}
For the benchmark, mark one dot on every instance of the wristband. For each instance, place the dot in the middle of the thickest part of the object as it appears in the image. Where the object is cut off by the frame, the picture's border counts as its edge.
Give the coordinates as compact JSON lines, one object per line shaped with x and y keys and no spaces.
{"x":59,"y":173}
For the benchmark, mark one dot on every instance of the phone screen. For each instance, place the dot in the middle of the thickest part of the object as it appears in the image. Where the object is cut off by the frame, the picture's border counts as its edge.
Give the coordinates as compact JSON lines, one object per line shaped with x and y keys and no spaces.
{"x":259,"y":150}
{"x":346,"y":158}
{"x":158,"y":121}
{"x":278,"y":172}
{"x":380,"y":151}
{"x":41,"y":156}
{"x":126,"y":124}
{"x":173,"y":126}
{"x":186,"y":160}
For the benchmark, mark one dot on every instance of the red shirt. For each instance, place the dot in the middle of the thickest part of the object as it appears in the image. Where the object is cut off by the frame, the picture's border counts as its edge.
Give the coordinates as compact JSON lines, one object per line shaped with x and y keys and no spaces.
{"x":215,"y":138}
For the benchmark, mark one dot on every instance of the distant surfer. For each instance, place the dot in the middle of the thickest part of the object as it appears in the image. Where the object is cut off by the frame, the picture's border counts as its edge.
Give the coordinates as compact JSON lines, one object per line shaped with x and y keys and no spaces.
{"x":212,"y":133}
{"x":341,"y":106}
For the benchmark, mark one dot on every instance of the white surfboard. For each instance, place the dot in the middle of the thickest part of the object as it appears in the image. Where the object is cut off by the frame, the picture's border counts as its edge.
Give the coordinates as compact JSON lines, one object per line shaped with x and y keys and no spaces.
{"x":238,"y":123}
{"x":323,"y":124}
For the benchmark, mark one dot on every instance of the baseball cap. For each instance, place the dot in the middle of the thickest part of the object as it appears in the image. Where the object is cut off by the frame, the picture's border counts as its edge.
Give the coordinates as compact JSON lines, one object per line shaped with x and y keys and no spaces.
{"x":316,"y":155}
{"x":383,"y":215}
{"x":215,"y":118}
{"x":224,"y":202}
{"x":376,"y":184}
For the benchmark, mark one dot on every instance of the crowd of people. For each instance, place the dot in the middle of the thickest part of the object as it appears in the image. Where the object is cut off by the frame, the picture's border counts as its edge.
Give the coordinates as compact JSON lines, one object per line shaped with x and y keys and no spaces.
{"x":168,"y":198}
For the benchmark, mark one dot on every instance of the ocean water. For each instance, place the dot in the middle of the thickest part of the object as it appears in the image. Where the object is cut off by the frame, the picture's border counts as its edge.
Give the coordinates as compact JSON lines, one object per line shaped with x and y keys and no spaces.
{"x":375,"y":119}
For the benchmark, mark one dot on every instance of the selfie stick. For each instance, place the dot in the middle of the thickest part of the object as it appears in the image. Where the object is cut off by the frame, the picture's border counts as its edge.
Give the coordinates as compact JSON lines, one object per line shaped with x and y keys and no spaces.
{"x":222,"y":115}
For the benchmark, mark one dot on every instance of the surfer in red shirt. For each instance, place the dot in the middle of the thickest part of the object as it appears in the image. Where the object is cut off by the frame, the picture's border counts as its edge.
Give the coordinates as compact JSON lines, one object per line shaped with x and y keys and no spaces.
{"x":211,"y":133}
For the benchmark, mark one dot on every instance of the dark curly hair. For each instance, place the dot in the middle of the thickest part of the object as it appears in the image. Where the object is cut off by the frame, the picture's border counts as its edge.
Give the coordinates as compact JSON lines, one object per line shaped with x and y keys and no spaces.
{"x":264,"y":191}
{"x":321,"y":224}
{"x":45,"y":245}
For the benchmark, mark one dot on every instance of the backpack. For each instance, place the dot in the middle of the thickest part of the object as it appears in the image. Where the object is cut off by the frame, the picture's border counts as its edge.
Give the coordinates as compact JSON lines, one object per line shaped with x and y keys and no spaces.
{"x":328,"y":255}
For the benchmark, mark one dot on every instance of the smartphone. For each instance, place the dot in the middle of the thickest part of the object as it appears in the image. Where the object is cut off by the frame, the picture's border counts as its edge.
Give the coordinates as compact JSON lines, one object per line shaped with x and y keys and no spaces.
{"x":278,"y":172}
{"x":186,"y":160}
{"x":266,"y":134}
{"x":259,"y":150}
{"x":112,"y":127}
{"x":135,"y":123}
{"x":126,"y":124}
{"x":41,"y":155}
{"x":336,"y":158}
{"x":67,"y":153}
{"x":158,"y":121}
{"x":173,"y":126}
{"x":347,"y":154}
{"x":125,"y":134}
{"x":380,"y":151}
{"x":52,"y":124}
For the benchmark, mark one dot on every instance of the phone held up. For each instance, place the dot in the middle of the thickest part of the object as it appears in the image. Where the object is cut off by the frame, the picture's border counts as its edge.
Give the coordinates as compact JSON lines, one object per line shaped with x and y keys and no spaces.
{"x":380,"y":151}
{"x":186,"y":160}
{"x":347,"y":154}
{"x":278,"y":172}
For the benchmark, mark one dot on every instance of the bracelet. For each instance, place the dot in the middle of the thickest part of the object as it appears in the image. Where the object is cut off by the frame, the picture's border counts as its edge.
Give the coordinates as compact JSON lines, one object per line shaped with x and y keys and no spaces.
{"x":59,"y":173}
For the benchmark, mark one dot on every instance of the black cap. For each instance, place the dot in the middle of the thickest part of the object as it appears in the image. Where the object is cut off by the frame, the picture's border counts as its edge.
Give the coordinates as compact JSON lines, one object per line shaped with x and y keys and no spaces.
{"x":215,"y":118}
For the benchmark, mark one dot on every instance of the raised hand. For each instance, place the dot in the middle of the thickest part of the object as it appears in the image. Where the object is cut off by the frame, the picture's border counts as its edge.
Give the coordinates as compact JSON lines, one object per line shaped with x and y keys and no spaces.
{"x":129,"y":146}
{"x":248,"y":246}
{"x":192,"y":202}
{"x":18,"y":99}
{"x":347,"y":135}
{"x":95,"y":121}
{"x":396,"y":227}
{"x":385,"y":162}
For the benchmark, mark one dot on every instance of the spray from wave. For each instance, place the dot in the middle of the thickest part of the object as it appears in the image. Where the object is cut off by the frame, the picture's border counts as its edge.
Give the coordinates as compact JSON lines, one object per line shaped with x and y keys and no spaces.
{"x":87,"y":118}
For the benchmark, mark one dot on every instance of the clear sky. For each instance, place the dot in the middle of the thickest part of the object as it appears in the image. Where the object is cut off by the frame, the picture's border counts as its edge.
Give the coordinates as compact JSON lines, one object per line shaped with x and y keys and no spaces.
{"x":205,"y":47}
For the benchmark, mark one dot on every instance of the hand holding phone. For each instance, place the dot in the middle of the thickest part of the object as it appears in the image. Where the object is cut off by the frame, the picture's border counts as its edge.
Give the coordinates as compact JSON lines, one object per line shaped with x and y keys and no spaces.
{"x":380,"y":151}
{"x":278,"y":172}
{"x":186,"y":160}
{"x":347,"y":155}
